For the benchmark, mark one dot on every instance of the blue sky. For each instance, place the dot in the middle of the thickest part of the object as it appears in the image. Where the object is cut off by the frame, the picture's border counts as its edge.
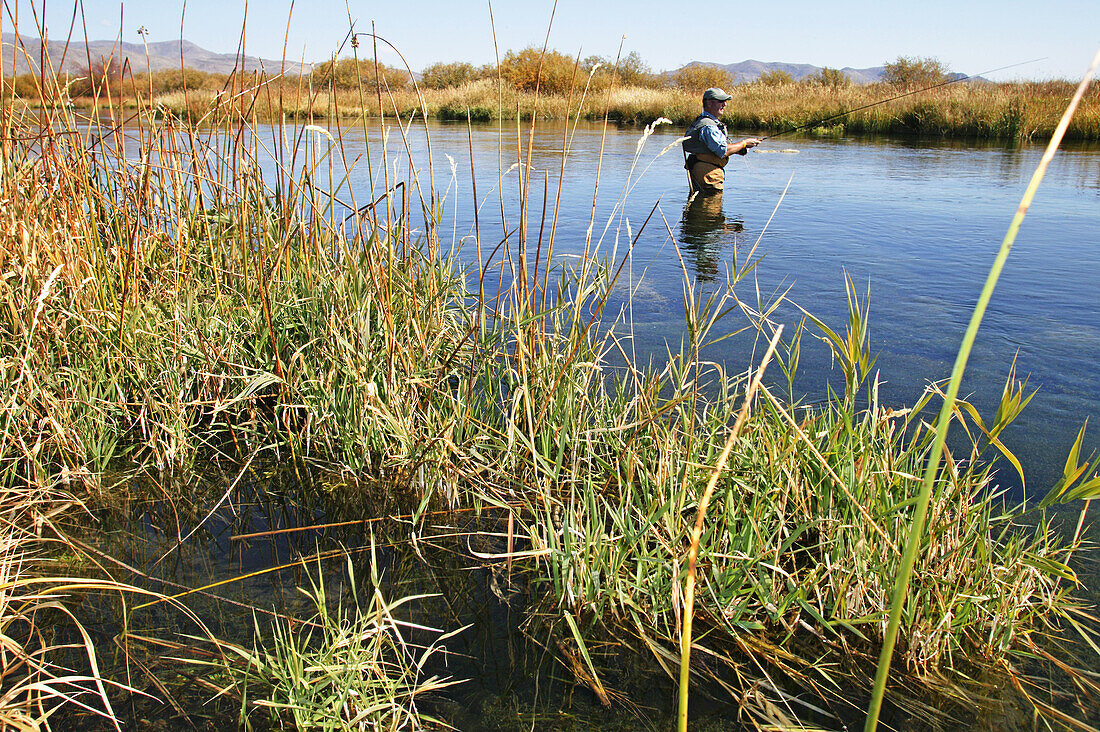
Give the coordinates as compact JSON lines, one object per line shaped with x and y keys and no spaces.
{"x":970,"y":36}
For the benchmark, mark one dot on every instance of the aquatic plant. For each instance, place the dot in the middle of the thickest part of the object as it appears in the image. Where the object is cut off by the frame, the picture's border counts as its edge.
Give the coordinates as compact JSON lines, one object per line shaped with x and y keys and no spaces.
{"x":1010,"y":404}
{"x":348,"y":667}
{"x":38,"y":665}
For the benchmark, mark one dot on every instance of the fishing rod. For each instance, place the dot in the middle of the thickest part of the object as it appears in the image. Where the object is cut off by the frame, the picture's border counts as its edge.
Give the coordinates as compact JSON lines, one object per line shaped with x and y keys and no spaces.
{"x":815,"y":123}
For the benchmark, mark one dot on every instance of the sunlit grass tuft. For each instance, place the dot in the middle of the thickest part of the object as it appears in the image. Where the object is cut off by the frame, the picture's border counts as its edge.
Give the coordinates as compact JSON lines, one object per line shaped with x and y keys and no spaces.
{"x":348,"y":667}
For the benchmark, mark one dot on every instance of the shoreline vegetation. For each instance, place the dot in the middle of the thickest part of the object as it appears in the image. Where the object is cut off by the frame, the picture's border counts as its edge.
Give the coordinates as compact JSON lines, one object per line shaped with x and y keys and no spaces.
{"x":175,"y":308}
{"x":529,"y":86}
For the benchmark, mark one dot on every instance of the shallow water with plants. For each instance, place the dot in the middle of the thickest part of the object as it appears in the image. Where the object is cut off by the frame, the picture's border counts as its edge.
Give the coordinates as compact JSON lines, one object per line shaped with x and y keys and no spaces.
{"x":913,"y":221}
{"x":298,"y":436}
{"x":243,"y":570}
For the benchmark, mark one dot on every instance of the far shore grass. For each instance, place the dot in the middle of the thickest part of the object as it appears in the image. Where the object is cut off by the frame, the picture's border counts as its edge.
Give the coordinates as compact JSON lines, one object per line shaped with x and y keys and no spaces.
{"x":1009,"y":111}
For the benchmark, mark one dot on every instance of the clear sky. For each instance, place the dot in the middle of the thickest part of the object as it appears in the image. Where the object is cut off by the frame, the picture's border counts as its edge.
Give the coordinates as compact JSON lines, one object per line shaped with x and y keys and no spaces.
{"x":969,"y":36}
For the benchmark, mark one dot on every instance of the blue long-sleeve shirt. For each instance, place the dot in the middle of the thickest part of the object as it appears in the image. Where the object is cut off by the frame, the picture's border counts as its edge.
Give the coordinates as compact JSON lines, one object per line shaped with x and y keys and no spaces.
{"x":713,"y":137}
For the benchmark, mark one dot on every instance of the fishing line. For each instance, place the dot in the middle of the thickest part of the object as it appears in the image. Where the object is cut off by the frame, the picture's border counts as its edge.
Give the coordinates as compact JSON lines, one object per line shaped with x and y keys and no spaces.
{"x":900,"y":96}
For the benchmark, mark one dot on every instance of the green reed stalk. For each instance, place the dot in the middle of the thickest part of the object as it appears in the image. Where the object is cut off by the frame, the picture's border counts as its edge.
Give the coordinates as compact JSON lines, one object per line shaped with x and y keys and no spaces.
{"x":697,"y":535}
{"x":905,"y":573}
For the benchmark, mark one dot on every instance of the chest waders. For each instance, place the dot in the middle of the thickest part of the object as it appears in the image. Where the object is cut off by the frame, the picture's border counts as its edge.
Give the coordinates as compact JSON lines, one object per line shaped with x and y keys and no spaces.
{"x":709,"y":177}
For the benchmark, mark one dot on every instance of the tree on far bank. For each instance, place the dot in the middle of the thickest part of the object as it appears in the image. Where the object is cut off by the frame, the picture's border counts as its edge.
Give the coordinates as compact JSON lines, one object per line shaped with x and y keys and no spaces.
{"x":697,"y":77}
{"x":829,"y":78}
{"x":443,"y":75}
{"x":350,"y":74}
{"x":633,"y":71}
{"x":104,"y":76}
{"x":630,"y":70}
{"x":909,"y":72}
{"x":551,"y":72}
{"x":775,"y":77}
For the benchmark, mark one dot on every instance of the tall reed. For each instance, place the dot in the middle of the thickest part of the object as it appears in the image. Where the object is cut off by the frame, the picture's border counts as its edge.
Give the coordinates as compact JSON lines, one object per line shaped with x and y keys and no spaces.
{"x":901,"y":589}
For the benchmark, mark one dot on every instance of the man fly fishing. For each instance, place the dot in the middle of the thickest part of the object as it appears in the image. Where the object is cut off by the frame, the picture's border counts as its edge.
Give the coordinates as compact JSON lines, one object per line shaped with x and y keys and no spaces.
{"x":708,"y":148}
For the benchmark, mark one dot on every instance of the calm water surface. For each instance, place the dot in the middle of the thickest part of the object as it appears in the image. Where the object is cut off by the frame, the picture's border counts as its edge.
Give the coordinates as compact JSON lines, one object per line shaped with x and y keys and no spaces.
{"x":916,"y":221}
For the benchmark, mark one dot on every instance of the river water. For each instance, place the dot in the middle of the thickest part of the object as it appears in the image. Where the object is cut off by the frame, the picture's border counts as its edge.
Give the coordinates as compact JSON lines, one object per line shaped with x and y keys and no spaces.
{"x":917,"y":222}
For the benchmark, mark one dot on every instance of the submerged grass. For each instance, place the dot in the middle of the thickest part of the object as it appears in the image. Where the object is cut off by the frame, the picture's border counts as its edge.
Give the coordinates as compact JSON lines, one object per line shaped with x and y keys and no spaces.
{"x":165,"y":301}
{"x":342,"y":669}
{"x":33,"y":663}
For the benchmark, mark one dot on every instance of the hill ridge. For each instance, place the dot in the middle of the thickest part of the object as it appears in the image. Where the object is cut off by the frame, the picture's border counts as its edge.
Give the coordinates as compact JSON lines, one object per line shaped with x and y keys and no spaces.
{"x":162,"y":55}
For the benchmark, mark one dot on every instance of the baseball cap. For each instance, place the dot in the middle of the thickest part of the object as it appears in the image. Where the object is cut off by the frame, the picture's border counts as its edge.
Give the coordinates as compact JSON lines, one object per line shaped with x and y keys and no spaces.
{"x":716,"y":94}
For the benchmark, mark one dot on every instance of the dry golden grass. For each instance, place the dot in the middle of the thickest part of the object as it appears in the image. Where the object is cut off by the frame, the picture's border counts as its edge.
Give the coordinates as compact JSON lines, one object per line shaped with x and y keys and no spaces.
{"x":1023,"y":110}
{"x":1012,"y":111}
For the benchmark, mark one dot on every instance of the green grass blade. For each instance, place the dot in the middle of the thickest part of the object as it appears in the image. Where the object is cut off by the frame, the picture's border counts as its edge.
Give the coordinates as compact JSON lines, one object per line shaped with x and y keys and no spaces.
{"x":901,"y":586}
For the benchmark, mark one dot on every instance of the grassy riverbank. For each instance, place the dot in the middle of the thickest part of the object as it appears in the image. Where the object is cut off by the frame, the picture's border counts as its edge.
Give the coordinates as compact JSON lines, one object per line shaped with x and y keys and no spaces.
{"x":177,"y":306}
{"x":1010,"y":111}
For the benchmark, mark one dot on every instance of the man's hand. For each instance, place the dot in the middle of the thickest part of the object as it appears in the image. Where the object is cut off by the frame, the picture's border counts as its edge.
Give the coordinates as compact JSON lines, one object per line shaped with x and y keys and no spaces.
{"x":742,"y":148}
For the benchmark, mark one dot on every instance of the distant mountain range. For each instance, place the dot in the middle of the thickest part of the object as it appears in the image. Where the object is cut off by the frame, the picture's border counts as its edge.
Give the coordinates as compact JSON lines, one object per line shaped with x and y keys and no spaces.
{"x":751,"y":70}
{"x":167,"y":54}
{"x":26,"y":52}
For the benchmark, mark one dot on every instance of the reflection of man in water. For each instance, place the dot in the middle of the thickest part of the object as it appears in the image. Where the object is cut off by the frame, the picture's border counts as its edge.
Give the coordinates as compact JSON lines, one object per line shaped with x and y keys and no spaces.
{"x":707,"y":147}
{"x":704,"y":231}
